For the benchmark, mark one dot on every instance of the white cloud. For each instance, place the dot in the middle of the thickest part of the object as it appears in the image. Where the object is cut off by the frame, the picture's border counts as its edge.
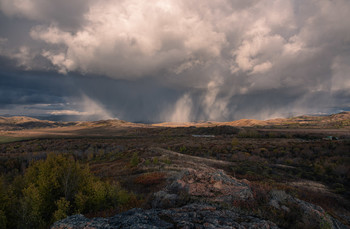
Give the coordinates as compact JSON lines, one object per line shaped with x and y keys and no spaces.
{"x":133,"y":38}
{"x":68,"y":112}
{"x":262,"y":68}
{"x":294,"y":46}
{"x":24,"y":8}
{"x":258,"y":50}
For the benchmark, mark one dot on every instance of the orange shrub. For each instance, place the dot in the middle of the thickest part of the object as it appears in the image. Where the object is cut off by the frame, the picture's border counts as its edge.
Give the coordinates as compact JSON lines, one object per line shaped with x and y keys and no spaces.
{"x":150,"y":178}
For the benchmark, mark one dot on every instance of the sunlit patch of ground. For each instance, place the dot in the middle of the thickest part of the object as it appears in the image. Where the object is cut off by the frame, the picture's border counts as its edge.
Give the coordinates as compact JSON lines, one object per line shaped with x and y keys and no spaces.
{"x":311,"y":185}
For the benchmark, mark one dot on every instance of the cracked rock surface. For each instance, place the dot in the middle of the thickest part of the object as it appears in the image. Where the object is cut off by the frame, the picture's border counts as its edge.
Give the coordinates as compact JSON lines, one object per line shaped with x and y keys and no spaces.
{"x":189,"y":216}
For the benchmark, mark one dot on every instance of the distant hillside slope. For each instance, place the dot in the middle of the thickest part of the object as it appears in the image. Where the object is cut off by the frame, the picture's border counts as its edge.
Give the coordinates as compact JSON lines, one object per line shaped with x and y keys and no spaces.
{"x":331,"y":121}
{"x":339,"y":120}
{"x":22,"y":122}
{"x":17,"y":120}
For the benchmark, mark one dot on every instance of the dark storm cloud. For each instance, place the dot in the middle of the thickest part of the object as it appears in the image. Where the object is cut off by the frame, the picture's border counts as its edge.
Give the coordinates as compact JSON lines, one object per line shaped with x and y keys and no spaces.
{"x":38,"y":93}
{"x":23,"y":93}
{"x":32,"y":88}
{"x":177,"y":60}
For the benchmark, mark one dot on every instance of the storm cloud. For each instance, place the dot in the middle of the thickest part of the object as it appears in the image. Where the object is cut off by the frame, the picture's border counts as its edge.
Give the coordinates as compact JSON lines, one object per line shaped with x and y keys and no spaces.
{"x":167,"y":60}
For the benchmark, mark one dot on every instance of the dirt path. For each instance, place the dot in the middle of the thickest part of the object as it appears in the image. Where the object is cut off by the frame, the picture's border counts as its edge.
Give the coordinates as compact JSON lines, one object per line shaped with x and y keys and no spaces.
{"x":188,"y":159}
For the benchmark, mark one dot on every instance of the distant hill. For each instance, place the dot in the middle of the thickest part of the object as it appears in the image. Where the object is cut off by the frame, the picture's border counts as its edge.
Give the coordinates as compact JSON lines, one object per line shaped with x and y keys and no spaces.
{"x":23,"y":122}
{"x":330,"y":121}
{"x":17,"y":120}
{"x":110,"y":123}
{"x":339,"y":120}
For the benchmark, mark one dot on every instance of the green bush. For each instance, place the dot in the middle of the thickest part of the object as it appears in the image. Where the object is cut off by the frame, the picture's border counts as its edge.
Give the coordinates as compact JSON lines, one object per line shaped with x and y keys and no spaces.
{"x":234,"y":142}
{"x":135,"y":160}
{"x":183,"y":149}
{"x":167,"y":161}
{"x":52,"y":189}
{"x":62,"y":211}
{"x":155,"y":160}
{"x":147,"y":162}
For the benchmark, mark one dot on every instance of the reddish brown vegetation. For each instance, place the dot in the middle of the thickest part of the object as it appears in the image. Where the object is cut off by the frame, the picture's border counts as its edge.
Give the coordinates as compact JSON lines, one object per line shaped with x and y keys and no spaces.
{"x":148,"y":179}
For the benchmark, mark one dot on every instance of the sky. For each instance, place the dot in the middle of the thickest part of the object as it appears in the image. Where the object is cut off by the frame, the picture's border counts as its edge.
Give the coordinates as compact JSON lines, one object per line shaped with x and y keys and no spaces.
{"x":174,"y":60}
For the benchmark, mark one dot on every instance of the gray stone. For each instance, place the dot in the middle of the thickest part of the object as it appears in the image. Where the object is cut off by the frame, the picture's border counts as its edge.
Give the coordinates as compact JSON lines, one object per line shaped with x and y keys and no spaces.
{"x":189,"y":216}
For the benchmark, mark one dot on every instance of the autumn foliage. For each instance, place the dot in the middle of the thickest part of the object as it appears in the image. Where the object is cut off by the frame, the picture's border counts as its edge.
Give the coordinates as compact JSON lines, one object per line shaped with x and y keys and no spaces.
{"x":52,"y":189}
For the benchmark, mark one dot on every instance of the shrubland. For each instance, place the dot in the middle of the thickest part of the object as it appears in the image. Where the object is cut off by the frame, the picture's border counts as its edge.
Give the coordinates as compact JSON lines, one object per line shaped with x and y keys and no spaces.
{"x":43,"y":180}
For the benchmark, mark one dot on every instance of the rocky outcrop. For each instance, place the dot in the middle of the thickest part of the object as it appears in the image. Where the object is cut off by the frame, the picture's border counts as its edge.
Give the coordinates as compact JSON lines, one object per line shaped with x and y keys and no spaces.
{"x":203,"y":198}
{"x":189,"y":216}
{"x":312,"y":216}
{"x":205,"y":188}
{"x":209,"y":185}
